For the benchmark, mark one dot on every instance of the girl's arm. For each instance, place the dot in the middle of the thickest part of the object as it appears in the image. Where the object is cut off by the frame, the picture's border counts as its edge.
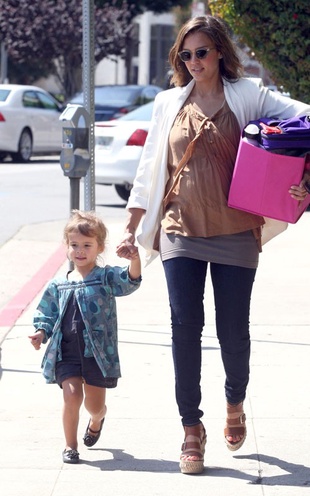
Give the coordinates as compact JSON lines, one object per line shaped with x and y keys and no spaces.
{"x":135,"y":266}
{"x":47,"y":312}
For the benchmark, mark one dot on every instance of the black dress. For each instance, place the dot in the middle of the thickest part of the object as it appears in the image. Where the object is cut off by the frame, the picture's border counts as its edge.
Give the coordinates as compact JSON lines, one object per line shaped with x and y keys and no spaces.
{"x":74,"y":363}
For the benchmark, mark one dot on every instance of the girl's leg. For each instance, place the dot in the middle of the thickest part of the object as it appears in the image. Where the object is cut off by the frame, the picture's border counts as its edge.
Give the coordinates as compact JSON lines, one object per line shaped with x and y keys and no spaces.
{"x":232,"y":294}
{"x":186,"y":281}
{"x":94,"y":402}
{"x":73,"y":397}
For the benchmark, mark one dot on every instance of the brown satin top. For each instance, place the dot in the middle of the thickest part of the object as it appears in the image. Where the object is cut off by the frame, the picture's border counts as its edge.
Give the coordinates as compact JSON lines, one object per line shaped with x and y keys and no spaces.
{"x":197,"y":206}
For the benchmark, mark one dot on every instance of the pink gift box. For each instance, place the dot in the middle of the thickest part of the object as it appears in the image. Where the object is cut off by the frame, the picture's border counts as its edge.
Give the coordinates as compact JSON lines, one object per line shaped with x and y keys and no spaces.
{"x":261,"y":181}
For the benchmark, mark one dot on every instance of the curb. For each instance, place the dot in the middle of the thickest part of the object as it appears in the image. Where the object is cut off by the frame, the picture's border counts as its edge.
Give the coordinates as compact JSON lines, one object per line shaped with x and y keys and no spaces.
{"x":18,"y":304}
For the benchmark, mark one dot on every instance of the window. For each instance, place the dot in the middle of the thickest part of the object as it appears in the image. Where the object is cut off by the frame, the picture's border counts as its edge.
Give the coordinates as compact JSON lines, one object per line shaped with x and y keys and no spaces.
{"x":30,"y":99}
{"x":4,"y":94}
{"x":162,"y":39}
{"x":47,"y":102}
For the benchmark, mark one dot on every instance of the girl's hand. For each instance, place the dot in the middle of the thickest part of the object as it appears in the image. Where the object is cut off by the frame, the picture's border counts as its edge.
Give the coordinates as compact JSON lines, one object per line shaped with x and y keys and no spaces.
{"x":36,"y":339}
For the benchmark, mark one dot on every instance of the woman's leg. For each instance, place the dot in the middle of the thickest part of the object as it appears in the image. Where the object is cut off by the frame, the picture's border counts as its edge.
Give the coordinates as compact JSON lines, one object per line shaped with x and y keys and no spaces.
{"x":232,"y":294}
{"x":73,"y":397}
{"x":186,"y":282}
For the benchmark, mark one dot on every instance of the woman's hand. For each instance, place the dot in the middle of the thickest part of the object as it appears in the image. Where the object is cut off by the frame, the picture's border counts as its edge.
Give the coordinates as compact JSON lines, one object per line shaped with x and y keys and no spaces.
{"x":298,"y":192}
{"x":37,"y":339}
{"x":127,"y":248}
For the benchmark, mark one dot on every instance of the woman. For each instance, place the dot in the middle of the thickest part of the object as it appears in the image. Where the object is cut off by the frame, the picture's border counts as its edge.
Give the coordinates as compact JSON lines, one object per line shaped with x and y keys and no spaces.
{"x":180,"y":191}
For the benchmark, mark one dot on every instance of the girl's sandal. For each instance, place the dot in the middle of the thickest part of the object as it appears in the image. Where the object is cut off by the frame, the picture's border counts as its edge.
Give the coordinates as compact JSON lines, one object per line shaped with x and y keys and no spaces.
{"x":193,"y":449}
{"x":235,"y":426}
{"x":91,"y":439}
{"x":70,"y":456}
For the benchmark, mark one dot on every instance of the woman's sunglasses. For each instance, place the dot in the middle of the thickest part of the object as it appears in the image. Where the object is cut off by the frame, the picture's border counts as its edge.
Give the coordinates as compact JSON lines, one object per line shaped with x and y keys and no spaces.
{"x":201,"y":53}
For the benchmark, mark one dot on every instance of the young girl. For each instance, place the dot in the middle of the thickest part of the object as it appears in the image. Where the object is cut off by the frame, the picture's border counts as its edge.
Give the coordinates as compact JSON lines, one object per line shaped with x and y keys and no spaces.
{"x":77,"y":313}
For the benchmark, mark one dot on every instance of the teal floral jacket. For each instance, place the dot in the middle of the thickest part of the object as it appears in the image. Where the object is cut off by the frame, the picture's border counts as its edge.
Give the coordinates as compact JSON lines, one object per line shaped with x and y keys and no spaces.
{"x":95,"y":296}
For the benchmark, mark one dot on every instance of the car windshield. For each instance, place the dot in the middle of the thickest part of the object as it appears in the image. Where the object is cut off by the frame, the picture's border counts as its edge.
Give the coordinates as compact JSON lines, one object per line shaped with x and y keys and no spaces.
{"x":112,"y":95}
{"x":143,"y":113}
{"x":115,"y":95}
{"x":4,"y":94}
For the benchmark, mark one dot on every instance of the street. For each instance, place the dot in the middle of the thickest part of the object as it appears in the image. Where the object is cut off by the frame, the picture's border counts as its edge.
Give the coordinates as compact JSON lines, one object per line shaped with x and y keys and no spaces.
{"x":38,"y":191}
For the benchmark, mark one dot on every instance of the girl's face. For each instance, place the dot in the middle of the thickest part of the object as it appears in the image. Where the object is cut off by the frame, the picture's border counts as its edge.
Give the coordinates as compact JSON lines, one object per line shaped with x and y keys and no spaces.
{"x":83,"y":251}
{"x":202,"y":69}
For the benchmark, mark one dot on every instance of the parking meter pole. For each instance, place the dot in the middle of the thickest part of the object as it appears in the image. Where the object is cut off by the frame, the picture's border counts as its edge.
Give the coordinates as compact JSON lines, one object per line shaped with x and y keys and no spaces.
{"x":74,"y":201}
{"x":4,"y":65}
{"x":88,"y":92}
{"x":74,"y":193}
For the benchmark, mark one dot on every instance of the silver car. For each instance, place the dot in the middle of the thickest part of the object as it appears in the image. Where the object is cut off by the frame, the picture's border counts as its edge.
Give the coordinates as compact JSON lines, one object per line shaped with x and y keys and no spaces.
{"x":118,"y":148}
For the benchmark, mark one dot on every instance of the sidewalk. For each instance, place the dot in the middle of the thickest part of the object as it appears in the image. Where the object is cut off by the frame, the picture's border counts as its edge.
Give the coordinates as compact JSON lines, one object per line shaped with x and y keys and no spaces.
{"x":140,"y":445}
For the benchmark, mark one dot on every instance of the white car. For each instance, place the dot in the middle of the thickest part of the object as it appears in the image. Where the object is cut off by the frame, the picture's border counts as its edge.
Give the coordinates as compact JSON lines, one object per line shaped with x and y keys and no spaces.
{"x":29,"y":122}
{"x":118,"y":148}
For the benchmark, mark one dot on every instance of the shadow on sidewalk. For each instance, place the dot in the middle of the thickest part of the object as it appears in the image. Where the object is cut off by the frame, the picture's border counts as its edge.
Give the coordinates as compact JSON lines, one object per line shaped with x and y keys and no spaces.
{"x":128,"y":463}
{"x":296,"y":475}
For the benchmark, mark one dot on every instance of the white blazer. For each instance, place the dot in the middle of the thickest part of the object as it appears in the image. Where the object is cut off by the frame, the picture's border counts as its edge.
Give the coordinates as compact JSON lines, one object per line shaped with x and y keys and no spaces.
{"x":245,"y":98}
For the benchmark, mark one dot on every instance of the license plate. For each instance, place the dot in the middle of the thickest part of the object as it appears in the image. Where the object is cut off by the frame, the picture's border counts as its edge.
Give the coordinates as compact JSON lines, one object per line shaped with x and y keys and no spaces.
{"x":103,"y":142}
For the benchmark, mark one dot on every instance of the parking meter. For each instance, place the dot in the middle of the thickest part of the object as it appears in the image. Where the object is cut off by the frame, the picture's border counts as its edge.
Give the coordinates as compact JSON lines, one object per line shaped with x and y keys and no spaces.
{"x":75,"y":154}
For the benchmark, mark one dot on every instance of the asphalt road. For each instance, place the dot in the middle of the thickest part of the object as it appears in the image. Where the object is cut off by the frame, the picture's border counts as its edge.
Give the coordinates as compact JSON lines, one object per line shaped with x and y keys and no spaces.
{"x":39,"y":192}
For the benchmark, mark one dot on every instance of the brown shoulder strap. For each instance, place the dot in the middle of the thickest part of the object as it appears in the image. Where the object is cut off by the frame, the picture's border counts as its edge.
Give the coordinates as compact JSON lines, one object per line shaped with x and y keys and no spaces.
{"x":186,"y":157}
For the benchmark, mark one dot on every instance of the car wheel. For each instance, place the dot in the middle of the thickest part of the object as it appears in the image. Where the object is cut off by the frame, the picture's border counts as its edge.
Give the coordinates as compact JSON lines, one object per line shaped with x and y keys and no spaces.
{"x":24,"y":147}
{"x":123,"y":190}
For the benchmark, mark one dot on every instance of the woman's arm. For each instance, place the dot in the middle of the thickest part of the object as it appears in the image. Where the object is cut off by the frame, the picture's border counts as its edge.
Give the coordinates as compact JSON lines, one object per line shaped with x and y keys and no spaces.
{"x":127,"y":248}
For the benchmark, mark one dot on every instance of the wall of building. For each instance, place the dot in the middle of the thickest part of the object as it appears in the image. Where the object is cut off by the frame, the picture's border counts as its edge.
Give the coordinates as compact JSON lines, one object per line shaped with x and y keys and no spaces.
{"x":155,"y":37}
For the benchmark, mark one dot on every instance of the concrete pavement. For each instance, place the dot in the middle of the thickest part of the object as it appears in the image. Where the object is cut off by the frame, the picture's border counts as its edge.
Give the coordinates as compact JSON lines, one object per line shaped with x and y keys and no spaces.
{"x":140,"y":445}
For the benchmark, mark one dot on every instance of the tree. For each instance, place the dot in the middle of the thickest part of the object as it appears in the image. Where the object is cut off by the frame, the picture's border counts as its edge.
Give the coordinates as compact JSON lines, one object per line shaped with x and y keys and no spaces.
{"x":47,"y":35}
{"x":157,"y":6}
{"x":277,"y":31}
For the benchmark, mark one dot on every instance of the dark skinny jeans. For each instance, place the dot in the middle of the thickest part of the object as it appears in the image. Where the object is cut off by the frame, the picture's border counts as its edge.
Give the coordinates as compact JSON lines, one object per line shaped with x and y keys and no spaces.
{"x":232,"y":288}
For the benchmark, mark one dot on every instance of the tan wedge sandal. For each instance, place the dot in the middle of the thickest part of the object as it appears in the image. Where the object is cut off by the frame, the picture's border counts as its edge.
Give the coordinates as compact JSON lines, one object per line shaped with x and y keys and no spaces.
{"x":235,"y":426}
{"x":193,"y":449}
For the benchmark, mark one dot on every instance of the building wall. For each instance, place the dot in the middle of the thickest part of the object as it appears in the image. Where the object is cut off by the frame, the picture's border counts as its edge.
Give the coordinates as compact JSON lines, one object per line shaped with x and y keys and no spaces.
{"x":150,"y":64}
